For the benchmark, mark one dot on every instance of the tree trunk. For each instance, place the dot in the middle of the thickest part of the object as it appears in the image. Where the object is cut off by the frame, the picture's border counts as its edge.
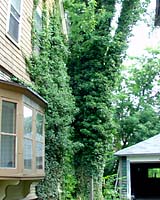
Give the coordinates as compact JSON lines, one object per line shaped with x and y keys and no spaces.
{"x":90,"y":184}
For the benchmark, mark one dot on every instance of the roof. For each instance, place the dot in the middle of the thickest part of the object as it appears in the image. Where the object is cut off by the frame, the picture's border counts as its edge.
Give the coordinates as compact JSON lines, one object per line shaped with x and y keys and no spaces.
{"x":147,"y":147}
{"x":24,"y":90}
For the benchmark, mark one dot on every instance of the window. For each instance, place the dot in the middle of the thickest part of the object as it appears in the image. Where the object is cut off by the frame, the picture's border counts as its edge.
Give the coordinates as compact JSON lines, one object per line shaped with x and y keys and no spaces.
{"x":154,"y":173}
{"x":39,"y":141}
{"x":8,"y":135}
{"x":27,"y":120}
{"x":33,"y":139}
{"x":38,"y":20}
{"x":14,"y":19}
{"x":38,"y":29}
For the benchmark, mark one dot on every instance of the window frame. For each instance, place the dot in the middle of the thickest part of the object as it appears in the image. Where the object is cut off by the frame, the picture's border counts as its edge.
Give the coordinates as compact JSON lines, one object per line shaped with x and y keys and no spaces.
{"x":41,"y":142}
{"x":35,"y":109}
{"x":28,"y":138}
{"x":8,"y":34}
{"x":11,"y":134}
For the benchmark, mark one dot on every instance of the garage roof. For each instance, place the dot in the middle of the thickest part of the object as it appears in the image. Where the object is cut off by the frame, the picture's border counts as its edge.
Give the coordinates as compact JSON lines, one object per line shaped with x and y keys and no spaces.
{"x":150,"y":146}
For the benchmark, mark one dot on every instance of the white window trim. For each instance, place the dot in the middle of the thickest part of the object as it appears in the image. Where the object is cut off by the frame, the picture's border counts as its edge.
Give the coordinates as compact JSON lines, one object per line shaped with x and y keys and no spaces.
{"x":20,"y":24}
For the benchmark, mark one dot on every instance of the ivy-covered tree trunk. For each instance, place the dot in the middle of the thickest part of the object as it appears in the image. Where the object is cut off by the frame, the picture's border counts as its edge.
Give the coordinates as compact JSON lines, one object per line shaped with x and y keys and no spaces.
{"x":90,"y":185}
{"x":96,"y":56}
{"x":49,"y":73}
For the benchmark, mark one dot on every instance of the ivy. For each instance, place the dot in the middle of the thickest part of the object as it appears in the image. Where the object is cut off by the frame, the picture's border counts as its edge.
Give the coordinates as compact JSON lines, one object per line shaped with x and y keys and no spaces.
{"x":93,"y":58}
{"x":94,"y":64}
{"x":48,"y":71}
{"x":35,"y":3}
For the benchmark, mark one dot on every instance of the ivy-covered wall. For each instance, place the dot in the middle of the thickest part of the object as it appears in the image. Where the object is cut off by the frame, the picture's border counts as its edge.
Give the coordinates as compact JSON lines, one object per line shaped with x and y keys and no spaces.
{"x":48,"y":72}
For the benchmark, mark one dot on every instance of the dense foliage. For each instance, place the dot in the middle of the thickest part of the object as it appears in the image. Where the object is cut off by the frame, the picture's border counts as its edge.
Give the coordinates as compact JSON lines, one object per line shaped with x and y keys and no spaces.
{"x":96,"y":55}
{"x":48,"y":71}
{"x":96,"y":52}
{"x":136,"y":100}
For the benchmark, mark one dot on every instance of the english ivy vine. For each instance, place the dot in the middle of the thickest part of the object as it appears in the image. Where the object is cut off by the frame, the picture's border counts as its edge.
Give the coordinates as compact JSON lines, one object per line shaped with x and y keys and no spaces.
{"x":94,"y":62}
{"x":48,"y":71}
{"x":96,"y":56}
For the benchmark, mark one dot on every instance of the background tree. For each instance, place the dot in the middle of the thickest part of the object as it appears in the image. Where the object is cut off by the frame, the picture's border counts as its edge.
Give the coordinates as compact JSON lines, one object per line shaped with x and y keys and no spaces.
{"x":137,"y":100}
{"x":96,"y":56}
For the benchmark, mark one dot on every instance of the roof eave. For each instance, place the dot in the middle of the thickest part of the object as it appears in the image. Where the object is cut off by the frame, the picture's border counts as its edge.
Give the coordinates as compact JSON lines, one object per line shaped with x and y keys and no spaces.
{"x":23,"y":90}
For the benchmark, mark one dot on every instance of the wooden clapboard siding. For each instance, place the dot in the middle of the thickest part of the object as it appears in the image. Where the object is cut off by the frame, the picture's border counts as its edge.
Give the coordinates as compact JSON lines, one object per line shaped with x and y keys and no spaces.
{"x":12,"y":55}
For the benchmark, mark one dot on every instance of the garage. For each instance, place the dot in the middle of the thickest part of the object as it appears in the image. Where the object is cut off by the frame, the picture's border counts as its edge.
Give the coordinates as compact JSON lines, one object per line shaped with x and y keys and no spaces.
{"x":139,"y":170}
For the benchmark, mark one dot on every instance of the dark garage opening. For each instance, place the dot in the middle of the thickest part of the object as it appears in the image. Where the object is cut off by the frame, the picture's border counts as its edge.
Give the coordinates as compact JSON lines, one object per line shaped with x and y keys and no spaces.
{"x":145,"y":180}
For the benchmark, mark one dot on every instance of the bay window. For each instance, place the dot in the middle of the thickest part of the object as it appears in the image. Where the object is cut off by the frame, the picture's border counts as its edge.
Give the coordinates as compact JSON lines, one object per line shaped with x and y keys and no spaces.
{"x":21,"y":132}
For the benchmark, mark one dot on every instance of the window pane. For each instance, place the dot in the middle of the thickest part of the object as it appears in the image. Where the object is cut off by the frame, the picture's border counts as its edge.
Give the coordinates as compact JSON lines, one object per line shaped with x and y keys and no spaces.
{"x":38,"y":21}
{"x":27,"y":154}
{"x":39,"y":127}
{"x":16,"y":4}
{"x":39,"y":155}
{"x":154,"y":173}
{"x":13,"y":27}
{"x":7,"y":151}
{"x":27,"y":115}
{"x":8,"y":121}
{"x":15,"y":13}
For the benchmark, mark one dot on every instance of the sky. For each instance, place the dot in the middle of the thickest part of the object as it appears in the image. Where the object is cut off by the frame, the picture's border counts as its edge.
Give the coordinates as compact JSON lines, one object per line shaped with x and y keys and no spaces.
{"x":143,"y":36}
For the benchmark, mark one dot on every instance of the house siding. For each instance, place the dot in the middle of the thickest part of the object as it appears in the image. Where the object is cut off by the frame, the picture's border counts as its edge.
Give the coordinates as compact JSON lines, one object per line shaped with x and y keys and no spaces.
{"x":123,"y":172}
{"x":12,"y":57}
